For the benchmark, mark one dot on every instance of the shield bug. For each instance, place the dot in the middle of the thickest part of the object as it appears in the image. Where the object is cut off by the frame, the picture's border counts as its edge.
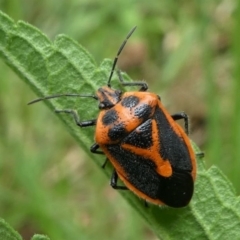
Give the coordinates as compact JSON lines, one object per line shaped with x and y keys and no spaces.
{"x":148,"y":149}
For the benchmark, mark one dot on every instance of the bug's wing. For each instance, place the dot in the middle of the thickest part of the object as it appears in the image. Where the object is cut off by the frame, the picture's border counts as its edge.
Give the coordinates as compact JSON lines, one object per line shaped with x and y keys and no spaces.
{"x":140,"y":157}
{"x":139,"y":175}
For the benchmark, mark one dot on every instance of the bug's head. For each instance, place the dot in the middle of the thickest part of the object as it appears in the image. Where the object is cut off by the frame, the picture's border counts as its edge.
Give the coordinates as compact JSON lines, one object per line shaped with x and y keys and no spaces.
{"x":108,"y":97}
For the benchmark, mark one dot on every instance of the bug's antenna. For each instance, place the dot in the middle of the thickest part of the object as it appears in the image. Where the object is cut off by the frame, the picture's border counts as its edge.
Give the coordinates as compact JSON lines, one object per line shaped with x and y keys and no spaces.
{"x":119,"y":51}
{"x":62,"y":95}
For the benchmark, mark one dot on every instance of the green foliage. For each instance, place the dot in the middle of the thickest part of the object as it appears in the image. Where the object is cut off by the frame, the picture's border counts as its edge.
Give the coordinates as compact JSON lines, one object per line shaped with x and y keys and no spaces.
{"x":7,"y":233}
{"x":39,"y":237}
{"x":62,"y":67}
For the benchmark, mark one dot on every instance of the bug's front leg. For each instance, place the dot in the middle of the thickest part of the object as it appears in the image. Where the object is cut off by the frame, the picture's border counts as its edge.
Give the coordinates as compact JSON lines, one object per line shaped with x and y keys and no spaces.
{"x":143,"y":85}
{"x":76,"y":118}
{"x":94,"y":148}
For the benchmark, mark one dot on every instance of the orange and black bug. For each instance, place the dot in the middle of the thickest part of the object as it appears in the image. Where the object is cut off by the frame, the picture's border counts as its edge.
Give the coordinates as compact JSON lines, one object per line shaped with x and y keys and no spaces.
{"x":149,"y":151}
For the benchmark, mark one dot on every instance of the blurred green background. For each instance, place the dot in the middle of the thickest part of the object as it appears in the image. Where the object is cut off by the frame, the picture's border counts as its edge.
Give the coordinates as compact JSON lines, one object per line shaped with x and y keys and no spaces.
{"x":188,"y":52}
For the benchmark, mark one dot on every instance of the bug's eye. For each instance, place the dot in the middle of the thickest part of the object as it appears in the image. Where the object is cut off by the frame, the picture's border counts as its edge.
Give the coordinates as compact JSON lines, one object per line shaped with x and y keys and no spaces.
{"x":119,"y":92}
{"x":101,"y":105}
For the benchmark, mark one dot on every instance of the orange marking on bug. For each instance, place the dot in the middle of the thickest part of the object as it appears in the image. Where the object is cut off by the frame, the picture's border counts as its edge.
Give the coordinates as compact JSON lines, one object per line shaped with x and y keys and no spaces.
{"x":165,"y":170}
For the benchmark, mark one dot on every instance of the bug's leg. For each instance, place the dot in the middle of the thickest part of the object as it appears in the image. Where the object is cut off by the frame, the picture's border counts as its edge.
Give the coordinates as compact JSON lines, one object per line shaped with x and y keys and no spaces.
{"x":114,"y":180}
{"x":94,"y":148}
{"x":105,"y":163}
{"x":76,"y":118}
{"x":143,"y":85}
{"x":182,"y":115}
{"x":146,"y":204}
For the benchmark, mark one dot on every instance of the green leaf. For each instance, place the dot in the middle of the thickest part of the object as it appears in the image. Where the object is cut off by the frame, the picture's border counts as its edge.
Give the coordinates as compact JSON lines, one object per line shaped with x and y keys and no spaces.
{"x":65,"y":67}
{"x":40,"y":237}
{"x":7,"y":233}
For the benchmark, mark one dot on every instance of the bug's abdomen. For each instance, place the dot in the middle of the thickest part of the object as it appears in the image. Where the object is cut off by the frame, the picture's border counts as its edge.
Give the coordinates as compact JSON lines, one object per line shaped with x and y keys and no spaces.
{"x":140,"y":176}
{"x":154,"y":162}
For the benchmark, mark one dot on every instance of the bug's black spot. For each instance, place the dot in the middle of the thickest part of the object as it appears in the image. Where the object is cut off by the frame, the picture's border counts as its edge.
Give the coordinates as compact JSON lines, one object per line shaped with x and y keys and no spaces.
{"x":117,"y":132}
{"x":130,"y":101}
{"x":142,"y":136}
{"x":143,"y":111}
{"x":110,"y":117}
{"x":172,"y":147}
